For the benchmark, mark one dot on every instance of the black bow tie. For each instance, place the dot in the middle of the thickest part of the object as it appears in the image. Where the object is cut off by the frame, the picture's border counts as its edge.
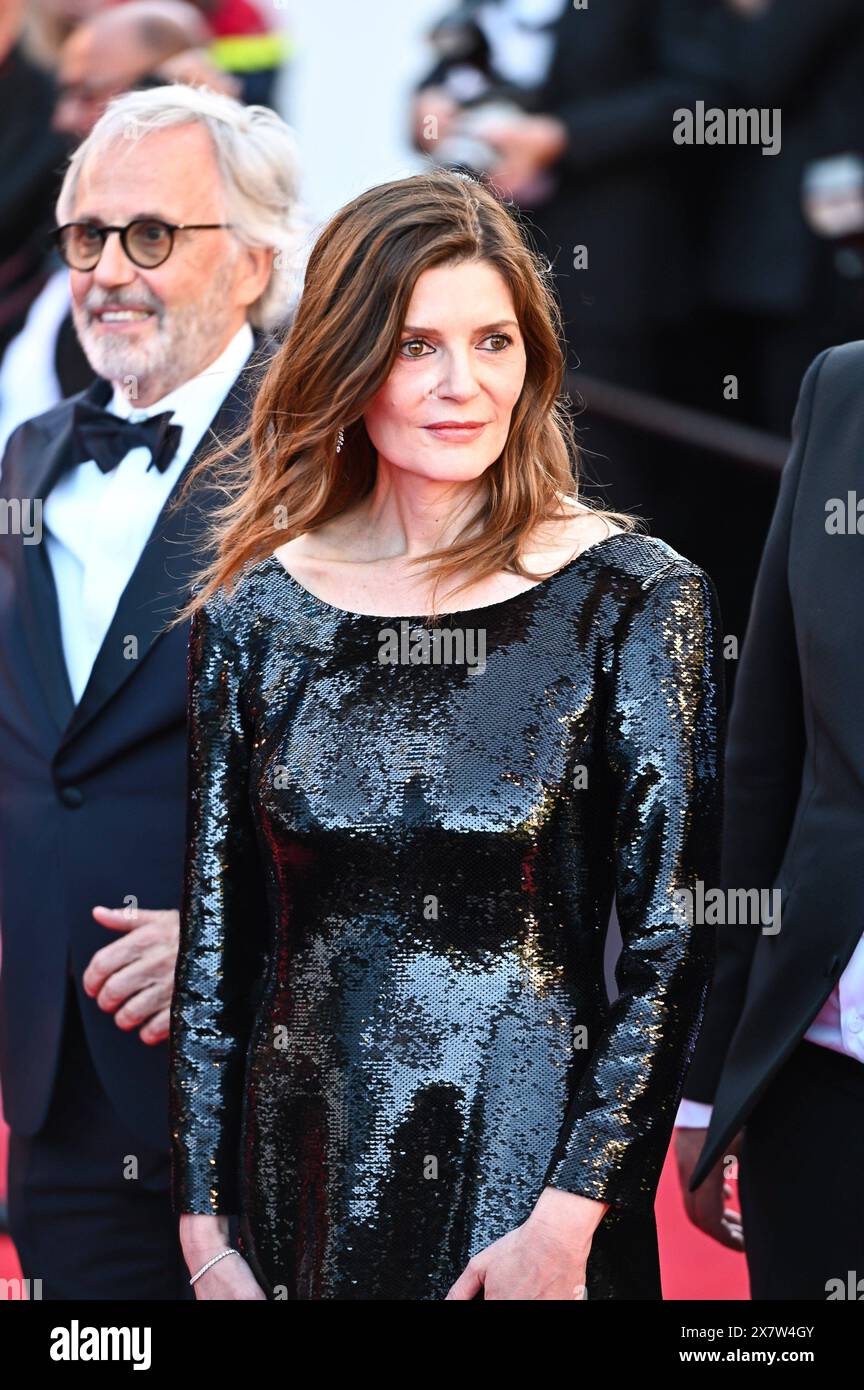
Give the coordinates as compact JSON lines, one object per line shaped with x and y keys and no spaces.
{"x":107,"y":438}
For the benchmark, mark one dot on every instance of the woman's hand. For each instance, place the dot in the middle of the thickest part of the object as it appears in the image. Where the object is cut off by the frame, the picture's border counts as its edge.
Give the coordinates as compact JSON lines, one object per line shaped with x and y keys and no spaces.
{"x":203,"y":1236}
{"x":544,"y":1258}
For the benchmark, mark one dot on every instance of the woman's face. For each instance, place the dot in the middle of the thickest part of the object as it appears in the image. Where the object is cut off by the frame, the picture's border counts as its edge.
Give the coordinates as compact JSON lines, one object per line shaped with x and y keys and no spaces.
{"x":444,"y":411}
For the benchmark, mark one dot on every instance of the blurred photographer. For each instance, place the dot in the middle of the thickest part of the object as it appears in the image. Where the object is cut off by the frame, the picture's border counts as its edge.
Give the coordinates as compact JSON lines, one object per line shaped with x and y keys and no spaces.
{"x":569,"y":113}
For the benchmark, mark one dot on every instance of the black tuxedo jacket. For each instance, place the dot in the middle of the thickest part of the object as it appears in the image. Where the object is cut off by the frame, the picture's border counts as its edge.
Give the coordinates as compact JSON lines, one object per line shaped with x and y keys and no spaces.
{"x":794,"y":814}
{"x":92,"y":797}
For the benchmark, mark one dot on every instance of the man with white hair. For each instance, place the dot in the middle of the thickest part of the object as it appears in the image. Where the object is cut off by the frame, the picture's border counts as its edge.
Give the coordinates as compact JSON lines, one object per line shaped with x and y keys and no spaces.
{"x":178,"y":223}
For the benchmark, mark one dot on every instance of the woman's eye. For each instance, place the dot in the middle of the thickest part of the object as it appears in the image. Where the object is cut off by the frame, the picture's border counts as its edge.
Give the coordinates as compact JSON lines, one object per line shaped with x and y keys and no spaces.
{"x":414,"y":343}
{"x":414,"y":347}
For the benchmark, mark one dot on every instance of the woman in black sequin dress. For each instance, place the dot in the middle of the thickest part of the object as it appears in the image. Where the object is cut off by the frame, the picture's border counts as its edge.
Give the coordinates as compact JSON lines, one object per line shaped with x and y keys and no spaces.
{"x":392,"y":1052}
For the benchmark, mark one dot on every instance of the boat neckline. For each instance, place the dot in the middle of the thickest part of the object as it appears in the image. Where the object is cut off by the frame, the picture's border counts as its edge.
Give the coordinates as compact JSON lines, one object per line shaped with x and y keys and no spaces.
{"x":584,"y":554}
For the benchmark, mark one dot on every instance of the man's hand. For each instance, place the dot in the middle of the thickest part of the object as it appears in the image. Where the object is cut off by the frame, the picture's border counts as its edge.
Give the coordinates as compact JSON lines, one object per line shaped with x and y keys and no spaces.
{"x":544,"y":1258}
{"x":133,"y":978}
{"x":433,"y":115}
{"x":526,"y":145}
{"x":709,"y":1206}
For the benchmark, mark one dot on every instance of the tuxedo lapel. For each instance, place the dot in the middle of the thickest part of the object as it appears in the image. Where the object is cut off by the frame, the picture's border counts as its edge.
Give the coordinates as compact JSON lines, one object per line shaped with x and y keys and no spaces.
{"x":174,"y":552}
{"x":40,"y":620}
{"x":40,"y":615}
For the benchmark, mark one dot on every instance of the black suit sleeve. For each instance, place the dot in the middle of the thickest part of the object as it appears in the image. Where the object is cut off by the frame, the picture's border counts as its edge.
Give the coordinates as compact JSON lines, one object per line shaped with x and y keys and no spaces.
{"x":764,"y":759}
{"x":775,"y":54}
{"x":691,"y":62}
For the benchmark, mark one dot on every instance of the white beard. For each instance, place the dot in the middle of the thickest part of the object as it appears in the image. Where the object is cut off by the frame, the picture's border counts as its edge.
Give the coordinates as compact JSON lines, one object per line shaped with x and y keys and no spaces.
{"x":178,"y":350}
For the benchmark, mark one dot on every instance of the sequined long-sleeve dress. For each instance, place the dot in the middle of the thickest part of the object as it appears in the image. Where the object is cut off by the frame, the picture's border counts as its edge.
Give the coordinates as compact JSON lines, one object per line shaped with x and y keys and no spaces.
{"x":390,"y":1028}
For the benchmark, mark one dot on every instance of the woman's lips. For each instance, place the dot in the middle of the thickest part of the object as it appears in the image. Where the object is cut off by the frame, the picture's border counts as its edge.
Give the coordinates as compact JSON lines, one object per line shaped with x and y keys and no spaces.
{"x":457,"y":433}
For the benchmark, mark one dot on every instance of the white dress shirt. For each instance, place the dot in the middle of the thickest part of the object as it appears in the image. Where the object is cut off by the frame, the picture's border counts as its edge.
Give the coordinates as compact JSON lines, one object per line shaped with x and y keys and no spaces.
{"x":839,"y":1025}
{"x":28,"y":379}
{"x":96,"y":524}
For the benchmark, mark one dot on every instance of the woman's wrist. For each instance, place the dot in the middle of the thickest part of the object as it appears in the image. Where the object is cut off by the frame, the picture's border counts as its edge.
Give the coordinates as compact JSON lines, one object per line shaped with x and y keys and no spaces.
{"x":569,"y":1215}
{"x":202,"y":1235}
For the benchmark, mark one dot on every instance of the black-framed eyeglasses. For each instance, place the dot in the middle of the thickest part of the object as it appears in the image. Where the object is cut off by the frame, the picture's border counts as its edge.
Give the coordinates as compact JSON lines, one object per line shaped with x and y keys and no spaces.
{"x":147,"y":241}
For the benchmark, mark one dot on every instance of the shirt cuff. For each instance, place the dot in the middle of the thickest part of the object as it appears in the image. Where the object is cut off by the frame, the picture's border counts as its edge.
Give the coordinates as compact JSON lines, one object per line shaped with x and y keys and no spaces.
{"x":693,"y":1114}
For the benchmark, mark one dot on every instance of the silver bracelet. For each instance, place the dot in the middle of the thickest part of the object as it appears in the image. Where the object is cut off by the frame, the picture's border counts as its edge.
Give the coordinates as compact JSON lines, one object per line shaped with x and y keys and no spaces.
{"x":215,"y":1260}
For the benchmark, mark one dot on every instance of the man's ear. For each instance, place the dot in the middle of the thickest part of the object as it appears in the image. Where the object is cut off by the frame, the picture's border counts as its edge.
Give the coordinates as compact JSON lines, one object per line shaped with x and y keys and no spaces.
{"x":258,"y":266}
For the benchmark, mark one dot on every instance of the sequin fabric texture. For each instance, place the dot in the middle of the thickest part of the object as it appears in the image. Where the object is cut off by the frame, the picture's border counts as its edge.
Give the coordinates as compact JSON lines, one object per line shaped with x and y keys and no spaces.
{"x":390,"y":1028}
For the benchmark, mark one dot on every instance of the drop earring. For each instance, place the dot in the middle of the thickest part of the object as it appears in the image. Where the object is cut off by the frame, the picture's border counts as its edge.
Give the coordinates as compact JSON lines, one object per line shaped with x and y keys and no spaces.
{"x":340,"y":440}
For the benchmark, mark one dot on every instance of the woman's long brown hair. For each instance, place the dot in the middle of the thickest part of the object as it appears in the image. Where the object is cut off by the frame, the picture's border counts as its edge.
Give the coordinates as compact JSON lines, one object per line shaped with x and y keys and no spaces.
{"x":283,"y":476}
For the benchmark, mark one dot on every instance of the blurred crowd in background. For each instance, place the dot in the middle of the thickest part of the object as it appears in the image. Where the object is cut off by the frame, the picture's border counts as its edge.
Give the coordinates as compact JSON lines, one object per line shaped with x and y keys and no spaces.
{"x":696,"y":281}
